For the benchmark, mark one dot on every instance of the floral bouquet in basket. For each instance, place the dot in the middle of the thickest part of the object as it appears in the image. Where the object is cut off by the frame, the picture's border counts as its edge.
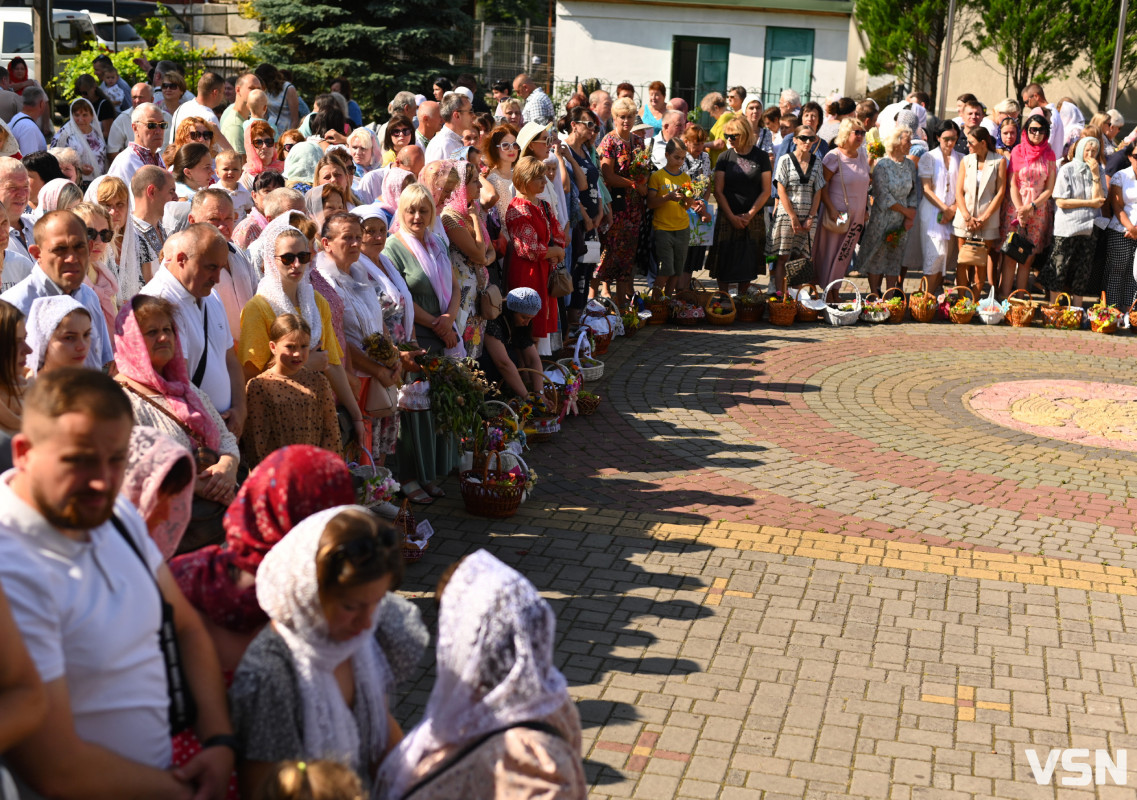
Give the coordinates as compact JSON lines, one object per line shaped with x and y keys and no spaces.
{"x":1103,"y":318}
{"x":458,"y":387}
{"x":964,"y":305}
{"x":641,"y":166}
{"x":377,"y":490}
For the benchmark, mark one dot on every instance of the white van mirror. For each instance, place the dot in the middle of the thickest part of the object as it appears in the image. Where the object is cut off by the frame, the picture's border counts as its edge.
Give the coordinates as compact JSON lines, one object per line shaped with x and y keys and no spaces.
{"x":61,"y":31}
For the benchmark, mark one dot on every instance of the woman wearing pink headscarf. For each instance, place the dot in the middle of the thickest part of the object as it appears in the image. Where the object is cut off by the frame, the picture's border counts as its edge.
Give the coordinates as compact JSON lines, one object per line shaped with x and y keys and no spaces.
{"x":471,"y":250}
{"x":260,"y":152}
{"x":1030,"y":179}
{"x":159,"y":481}
{"x":394,"y":182}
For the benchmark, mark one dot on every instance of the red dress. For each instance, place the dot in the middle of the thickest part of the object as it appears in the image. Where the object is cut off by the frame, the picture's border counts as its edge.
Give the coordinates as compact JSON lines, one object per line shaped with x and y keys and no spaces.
{"x":529,"y":233}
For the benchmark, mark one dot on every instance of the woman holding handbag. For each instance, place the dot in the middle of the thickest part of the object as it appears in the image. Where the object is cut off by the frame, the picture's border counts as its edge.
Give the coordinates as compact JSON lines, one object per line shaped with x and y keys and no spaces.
{"x":845,"y":196}
{"x":742,"y":186}
{"x":982,"y":185}
{"x":800,"y":180}
{"x":1030,"y":181}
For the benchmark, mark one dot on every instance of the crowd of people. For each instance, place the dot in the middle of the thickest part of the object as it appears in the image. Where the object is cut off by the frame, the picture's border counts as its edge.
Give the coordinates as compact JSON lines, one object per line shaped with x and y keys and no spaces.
{"x":193,"y":285}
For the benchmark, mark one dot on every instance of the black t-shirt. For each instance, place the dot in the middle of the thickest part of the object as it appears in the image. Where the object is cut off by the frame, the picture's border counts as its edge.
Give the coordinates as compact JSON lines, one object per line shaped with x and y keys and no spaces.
{"x":742,"y":177}
{"x":105,"y":110}
{"x":515,"y":338}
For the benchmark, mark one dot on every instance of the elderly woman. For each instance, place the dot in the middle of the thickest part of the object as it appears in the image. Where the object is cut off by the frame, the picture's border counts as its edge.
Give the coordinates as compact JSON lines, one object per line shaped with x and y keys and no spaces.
{"x":655,"y":106}
{"x":619,"y":243}
{"x":536,"y":242}
{"x":510,"y":345}
{"x":85,"y":137}
{"x":173,"y":88}
{"x":471,"y":251}
{"x":312,"y":685}
{"x":366,"y":152}
{"x":742,"y":187}
{"x":399,"y":133}
{"x":1080,"y":191}
{"x":153,"y":371}
{"x":422,"y":260}
{"x":1030,"y":181}
{"x":800,"y":181}
{"x":1121,"y":234}
{"x":260,"y":153}
{"x":894,"y":195}
{"x":498,"y":699}
{"x":938,"y":171}
{"x":716,"y":106}
{"x":979,"y":196}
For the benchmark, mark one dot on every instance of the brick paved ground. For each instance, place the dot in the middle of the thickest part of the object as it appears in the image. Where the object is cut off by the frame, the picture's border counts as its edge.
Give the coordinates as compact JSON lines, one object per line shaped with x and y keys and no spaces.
{"x":794,"y":563}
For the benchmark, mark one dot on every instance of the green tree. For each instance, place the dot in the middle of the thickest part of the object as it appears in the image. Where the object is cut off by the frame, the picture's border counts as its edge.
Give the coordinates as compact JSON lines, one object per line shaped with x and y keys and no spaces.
{"x":1031,"y":38}
{"x":1097,"y":31}
{"x":906,"y":37}
{"x":511,"y":12}
{"x":382,"y":46}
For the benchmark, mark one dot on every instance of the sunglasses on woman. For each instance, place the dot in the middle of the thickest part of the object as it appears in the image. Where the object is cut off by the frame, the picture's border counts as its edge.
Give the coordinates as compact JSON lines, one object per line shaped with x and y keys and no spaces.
{"x":264,"y":143}
{"x":588,"y":124}
{"x":730,"y":137}
{"x":289,"y":146}
{"x":401,"y":132}
{"x":199,"y":135}
{"x":1035,"y":130}
{"x":807,"y":139}
{"x":507,"y":146}
{"x":169,"y":87}
{"x":287,"y":259}
{"x":106,"y":234}
{"x":858,"y":132}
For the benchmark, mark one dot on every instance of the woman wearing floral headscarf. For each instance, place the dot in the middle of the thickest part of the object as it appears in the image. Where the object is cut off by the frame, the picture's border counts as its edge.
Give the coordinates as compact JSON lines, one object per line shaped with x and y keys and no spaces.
{"x":312,"y":685}
{"x":82,"y":134}
{"x":159,"y":481}
{"x":497,"y":692}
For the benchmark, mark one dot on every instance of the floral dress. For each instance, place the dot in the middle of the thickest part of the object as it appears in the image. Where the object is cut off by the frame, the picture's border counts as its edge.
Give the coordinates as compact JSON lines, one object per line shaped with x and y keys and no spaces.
{"x":471,"y":281}
{"x":618,"y":245}
{"x":386,"y":434}
{"x":883,"y":244}
{"x":1031,"y":180}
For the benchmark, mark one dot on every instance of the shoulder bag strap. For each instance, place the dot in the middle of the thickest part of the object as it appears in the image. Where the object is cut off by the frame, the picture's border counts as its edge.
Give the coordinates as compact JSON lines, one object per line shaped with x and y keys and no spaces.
{"x":283,"y":100}
{"x":199,"y":373}
{"x":535,"y":725}
{"x":185,"y":428}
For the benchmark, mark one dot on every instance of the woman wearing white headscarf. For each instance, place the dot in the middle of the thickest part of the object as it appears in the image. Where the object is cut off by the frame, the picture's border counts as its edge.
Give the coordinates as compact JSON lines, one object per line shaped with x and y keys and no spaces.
{"x":127,"y":273}
{"x":58,"y":194}
{"x":45,"y":321}
{"x":312,"y":684}
{"x":498,"y":692}
{"x":85,"y":136}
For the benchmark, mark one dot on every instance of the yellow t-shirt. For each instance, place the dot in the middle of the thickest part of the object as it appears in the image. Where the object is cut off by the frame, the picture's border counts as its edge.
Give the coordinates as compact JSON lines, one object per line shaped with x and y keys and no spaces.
{"x":671,"y":216}
{"x":256,"y":321}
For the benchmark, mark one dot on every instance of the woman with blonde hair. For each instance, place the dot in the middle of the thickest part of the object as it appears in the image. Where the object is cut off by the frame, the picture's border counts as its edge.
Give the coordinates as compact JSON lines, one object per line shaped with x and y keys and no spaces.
{"x":742,"y":187}
{"x":715,"y":105}
{"x":619,"y":243}
{"x":845,"y":197}
{"x":511,"y":112}
{"x":895,"y":191}
{"x":100,"y":272}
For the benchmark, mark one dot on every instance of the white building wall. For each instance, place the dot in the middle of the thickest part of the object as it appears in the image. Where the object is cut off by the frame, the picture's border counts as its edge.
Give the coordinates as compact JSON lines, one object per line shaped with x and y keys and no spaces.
{"x":622,"y":41}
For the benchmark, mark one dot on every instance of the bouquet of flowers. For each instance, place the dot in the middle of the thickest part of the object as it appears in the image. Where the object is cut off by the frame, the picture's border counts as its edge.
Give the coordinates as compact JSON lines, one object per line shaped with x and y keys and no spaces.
{"x":875,"y":310}
{"x":893,"y":237}
{"x":380,"y":349}
{"x":641,"y":166}
{"x":458,"y":388}
{"x":876,"y":149}
{"x":697,"y":188}
{"x":964,"y":305}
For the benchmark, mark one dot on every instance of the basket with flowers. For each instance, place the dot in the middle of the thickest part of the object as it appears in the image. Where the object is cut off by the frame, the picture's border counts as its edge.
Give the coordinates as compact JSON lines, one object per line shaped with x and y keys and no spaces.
{"x":457,"y":389}
{"x":875,"y":310}
{"x":782,"y":307}
{"x":897,"y":303}
{"x":750,"y":306}
{"x":587,"y":403}
{"x":922,"y":303}
{"x":658,"y":306}
{"x":1103,"y":317}
{"x":961,"y":308}
{"x":1063,"y":316}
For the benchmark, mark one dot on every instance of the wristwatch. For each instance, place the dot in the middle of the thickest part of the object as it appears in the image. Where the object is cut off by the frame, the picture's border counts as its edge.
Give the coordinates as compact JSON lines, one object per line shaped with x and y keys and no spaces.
{"x":221,"y":740}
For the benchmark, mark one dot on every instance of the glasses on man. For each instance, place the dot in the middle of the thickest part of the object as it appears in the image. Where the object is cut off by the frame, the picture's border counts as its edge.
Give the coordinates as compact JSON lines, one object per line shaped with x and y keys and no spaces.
{"x":198,"y":136}
{"x":152,"y":125}
{"x":287,"y":259}
{"x":106,"y":234}
{"x":264,"y":143}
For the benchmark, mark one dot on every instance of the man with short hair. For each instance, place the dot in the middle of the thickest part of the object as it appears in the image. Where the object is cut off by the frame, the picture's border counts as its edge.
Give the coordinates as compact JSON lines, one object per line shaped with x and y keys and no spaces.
{"x":235,"y":116}
{"x":789,"y":102}
{"x":14,"y":192}
{"x":210,"y":94}
{"x":411,"y":158}
{"x":149,"y":125}
{"x":87,"y":585}
{"x":538,"y":106}
{"x":195,"y":260}
{"x":121,"y":131}
{"x":62,"y":259}
{"x":402,"y":103}
{"x":1035,"y":97}
{"x":152,"y":187}
{"x":25,"y":125}
{"x":10,"y":103}
{"x":458,"y":114}
{"x":429,"y":123}
{"x":601,"y":104}
{"x":678,"y":104}
{"x":1111,"y":129}
{"x":238,"y":282}
{"x":971,"y":119}
{"x":674,"y":123}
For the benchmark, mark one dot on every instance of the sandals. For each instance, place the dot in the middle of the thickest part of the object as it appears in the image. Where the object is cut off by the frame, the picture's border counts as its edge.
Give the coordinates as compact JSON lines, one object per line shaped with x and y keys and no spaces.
{"x":416,"y":494}
{"x":434,"y":490}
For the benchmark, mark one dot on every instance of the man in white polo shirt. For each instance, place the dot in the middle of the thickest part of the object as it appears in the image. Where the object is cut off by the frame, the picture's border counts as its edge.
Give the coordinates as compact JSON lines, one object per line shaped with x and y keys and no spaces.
{"x":210,"y":94}
{"x":86,"y":585}
{"x":194,"y":259}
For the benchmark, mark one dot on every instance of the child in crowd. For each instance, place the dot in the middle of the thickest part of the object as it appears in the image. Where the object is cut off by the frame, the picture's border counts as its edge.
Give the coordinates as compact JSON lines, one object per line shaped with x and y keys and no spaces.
{"x":228,"y":164}
{"x":59,"y":334}
{"x":287,"y":403}
{"x":772,"y":119}
{"x":670,"y":226}
{"x":111,"y":88}
{"x":702,"y":229}
{"x":318,"y":780}
{"x":258,"y":109}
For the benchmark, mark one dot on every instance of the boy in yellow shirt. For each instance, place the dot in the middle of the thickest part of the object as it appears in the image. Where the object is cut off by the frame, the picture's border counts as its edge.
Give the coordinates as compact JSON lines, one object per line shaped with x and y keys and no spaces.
{"x":671,"y":226}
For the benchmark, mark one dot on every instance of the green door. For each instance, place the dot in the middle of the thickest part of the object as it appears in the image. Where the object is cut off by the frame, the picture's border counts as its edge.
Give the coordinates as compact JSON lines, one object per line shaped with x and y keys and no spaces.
{"x":698,"y":67}
{"x":789,"y":63}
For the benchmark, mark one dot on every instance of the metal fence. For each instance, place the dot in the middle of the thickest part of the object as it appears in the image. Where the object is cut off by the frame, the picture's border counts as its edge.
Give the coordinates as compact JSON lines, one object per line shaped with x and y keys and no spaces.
{"x":501,"y":52}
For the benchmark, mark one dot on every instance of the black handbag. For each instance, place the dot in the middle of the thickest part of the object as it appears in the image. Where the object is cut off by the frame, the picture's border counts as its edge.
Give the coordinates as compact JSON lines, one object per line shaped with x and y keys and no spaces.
{"x":1017,"y":246}
{"x":183,"y":709}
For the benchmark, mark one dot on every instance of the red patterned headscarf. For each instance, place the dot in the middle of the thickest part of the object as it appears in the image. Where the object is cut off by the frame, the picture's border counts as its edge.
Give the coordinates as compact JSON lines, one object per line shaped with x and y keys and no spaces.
{"x":291,"y":484}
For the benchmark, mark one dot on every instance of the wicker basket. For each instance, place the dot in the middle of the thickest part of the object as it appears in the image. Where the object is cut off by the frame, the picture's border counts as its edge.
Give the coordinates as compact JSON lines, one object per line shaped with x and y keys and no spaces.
{"x":547,"y":424}
{"x":704,"y":294}
{"x":1067,"y":317}
{"x":922,"y":303}
{"x":1132,"y":315}
{"x":751,"y":312}
{"x":659,"y":309}
{"x":404,"y":523}
{"x":694,"y":298}
{"x":1107,"y":326}
{"x":587,"y":405}
{"x":835,"y":315}
{"x":1021,"y":312}
{"x":873,"y":316}
{"x":485,"y":500}
{"x":804,"y":312}
{"x":782,"y":312}
{"x":721,"y":319}
{"x":593,"y":372}
{"x":896,"y":314}
{"x":600,"y":338}
{"x":959,"y":317}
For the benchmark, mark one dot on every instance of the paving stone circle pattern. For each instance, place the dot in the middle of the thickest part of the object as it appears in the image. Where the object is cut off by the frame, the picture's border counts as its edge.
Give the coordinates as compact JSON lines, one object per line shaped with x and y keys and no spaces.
{"x":814,"y":562}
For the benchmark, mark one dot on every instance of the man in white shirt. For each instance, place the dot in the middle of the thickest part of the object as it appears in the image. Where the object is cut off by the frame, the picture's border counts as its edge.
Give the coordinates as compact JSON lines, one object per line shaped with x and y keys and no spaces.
{"x":62,"y":257}
{"x":238,"y":282}
{"x":194,"y":261}
{"x":121,"y":132}
{"x":149,"y":125}
{"x":458,"y":114}
{"x":86,"y":585}
{"x":1034,"y":97}
{"x":210,"y":94}
{"x":25,"y":125}
{"x":14,"y":191}
{"x":673,"y":125}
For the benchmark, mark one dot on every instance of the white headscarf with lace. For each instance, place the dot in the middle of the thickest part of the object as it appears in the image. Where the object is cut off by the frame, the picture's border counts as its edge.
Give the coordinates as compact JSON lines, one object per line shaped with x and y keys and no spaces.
{"x":129,"y":277}
{"x":272,"y":290}
{"x":44,"y":317}
{"x":495,"y":665}
{"x":70,"y":136}
{"x":288,"y":591}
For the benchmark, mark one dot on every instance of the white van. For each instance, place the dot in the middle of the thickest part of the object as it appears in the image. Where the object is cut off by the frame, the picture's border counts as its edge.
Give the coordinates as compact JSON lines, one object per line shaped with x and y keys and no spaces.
{"x":71,"y":31}
{"x":105,"y":29}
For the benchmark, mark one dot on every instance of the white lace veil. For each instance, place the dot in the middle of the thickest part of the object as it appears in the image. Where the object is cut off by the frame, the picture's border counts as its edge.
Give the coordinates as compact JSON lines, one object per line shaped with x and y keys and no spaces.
{"x":495,"y":665}
{"x":271,"y":289}
{"x":127,"y":271}
{"x":288,"y":591}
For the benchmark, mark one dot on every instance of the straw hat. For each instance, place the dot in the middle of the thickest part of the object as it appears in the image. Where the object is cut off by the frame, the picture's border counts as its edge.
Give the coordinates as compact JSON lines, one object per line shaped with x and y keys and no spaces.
{"x":529,"y":132}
